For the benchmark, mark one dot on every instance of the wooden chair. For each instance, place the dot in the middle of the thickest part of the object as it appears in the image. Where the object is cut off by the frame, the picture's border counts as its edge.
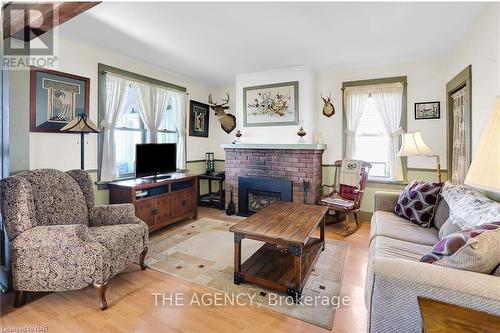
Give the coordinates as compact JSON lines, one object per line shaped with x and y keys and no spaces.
{"x":348,"y":198}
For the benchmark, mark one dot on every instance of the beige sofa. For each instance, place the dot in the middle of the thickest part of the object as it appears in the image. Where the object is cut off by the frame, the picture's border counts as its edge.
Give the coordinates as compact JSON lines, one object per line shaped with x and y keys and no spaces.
{"x":395,"y":277}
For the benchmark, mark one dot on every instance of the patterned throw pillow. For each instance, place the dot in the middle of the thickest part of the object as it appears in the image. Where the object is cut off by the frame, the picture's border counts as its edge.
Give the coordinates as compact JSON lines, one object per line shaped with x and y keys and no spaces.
{"x":450,"y":245}
{"x":417,"y":202}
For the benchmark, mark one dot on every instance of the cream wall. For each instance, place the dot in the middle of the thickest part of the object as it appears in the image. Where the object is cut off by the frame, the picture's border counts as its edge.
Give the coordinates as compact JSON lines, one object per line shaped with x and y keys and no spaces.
{"x":426,"y":82}
{"x":480,"y":47}
{"x":307,"y":104}
{"x":57,"y":150}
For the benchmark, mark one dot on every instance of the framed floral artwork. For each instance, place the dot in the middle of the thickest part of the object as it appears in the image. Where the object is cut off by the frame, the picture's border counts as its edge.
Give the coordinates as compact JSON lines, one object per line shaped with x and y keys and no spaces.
{"x":271,"y":105}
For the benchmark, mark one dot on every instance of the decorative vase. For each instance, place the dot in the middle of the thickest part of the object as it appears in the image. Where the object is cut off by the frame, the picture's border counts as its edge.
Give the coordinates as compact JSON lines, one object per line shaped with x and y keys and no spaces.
{"x":231,"y":209}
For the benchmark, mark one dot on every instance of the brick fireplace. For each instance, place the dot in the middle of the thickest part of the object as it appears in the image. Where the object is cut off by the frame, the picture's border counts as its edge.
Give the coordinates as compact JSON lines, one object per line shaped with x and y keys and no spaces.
{"x":294,"y":162}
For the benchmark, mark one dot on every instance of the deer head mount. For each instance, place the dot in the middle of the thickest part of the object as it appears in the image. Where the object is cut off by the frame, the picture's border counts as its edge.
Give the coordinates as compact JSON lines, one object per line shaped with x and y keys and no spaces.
{"x":328,"y":109}
{"x":227,"y":121}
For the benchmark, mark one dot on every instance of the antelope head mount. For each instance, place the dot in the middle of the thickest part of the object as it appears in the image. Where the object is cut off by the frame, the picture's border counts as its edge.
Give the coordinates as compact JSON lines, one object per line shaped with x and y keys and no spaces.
{"x":328,"y":109}
{"x":227,"y":121}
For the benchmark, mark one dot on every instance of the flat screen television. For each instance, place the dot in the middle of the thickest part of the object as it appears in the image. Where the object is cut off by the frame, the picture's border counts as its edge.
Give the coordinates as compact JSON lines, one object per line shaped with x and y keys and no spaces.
{"x":155,"y":159}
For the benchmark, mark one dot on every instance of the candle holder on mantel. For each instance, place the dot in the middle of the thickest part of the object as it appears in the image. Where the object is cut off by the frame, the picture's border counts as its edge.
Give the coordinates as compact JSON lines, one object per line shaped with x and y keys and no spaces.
{"x":301,"y":133}
{"x":238,"y":136}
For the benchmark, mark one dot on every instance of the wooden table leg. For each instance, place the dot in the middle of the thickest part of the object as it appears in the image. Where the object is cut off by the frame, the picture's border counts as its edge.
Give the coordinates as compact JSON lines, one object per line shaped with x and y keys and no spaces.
{"x":238,"y":276}
{"x":296,"y":291}
{"x":322,"y":231}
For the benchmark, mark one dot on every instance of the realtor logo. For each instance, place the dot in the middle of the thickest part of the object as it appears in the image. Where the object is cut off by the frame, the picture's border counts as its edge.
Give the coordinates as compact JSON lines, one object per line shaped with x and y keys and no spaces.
{"x":31,"y":41}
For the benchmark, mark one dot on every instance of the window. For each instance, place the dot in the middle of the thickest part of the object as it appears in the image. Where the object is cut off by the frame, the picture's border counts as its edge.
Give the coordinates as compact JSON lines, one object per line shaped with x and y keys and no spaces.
{"x":129,"y":105}
{"x":374,"y":117}
{"x":372,"y":141}
{"x":130,"y":130}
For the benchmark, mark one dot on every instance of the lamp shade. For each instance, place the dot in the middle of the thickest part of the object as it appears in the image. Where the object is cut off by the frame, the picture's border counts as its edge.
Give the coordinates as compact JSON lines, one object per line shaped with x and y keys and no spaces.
{"x":484,"y":171}
{"x":412,"y":144}
{"x":80,"y":124}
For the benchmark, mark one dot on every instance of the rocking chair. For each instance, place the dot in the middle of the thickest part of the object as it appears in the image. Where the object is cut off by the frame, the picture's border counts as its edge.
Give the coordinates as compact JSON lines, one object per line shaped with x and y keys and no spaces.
{"x":348,"y":198}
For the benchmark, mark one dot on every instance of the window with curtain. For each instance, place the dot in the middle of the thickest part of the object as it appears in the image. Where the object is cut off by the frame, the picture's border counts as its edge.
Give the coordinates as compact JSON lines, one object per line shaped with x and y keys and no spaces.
{"x":137,"y":111}
{"x":372,"y":141}
{"x":373,"y":114}
{"x":131,"y":130}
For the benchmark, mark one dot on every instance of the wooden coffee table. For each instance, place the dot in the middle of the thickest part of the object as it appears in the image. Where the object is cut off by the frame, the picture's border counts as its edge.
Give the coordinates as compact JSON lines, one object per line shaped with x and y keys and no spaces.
{"x":286,"y":260}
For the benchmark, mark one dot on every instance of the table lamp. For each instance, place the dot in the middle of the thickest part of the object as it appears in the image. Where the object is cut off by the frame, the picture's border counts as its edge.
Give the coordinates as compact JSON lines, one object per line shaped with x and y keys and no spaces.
{"x":81,"y":124}
{"x":484,"y":171}
{"x":413,"y":145}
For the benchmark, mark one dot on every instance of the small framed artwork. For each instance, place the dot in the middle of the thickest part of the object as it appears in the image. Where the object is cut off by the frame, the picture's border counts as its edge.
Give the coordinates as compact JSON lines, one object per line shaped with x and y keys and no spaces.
{"x":56,"y":98}
{"x":271,"y":105}
{"x":198,"y":119}
{"x":427,"y":110}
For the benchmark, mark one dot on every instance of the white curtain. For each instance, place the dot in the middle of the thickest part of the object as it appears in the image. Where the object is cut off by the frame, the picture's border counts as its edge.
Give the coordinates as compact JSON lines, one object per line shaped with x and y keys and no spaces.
{"x":459,"y":163}
{"x":152,"y":107}
{"x":116,"y":97}
{"x":178,"y":102}
{"x":389,"y":101}
{"x":355,"y":101}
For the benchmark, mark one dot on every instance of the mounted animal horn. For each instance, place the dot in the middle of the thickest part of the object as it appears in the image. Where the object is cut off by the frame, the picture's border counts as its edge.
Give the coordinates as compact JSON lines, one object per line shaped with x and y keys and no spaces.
{"x":328,"y":109}
{"x":227,"y":121}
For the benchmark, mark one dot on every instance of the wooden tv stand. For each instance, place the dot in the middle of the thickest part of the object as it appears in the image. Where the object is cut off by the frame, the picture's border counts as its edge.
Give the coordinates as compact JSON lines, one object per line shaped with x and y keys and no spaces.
{"x":168,"y":200}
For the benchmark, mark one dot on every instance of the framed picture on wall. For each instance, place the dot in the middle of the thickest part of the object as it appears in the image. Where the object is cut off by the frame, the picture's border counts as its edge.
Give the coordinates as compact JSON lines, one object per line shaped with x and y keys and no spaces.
{"x":427,"y":110}
{"x":56,"y":98}
{"x":271,"y":105}
{"x":198,"y":119}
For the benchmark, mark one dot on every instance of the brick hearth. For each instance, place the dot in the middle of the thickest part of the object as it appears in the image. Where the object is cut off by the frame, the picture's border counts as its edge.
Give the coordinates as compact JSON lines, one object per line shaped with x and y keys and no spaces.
{"x":295,"y":165}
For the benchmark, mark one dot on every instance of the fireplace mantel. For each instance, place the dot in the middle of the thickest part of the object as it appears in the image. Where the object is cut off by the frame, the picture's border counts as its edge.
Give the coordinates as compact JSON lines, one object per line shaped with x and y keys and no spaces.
{"x":303,"y":146}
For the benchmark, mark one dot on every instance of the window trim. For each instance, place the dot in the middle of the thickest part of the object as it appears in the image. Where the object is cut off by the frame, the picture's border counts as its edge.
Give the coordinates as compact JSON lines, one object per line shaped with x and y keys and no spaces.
{"x":404,"y":114}
{"x":102,"y":69}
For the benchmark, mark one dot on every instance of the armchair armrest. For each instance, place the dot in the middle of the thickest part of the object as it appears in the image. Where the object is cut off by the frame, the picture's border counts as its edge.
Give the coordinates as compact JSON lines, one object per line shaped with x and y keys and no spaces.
{"x":395,"y":285}
{"x":113,"y":214}
{"x":386,"y":201}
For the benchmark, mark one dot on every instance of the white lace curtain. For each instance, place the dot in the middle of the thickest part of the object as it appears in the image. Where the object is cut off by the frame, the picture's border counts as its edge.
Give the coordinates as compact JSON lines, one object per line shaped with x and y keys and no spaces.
{"x":152,"y":105}
{"x":389,"y":101}
{"x":116,"y":97}
{"x":177,"y":100}
{"x":459,"y":155}
{"x":355,"y":102}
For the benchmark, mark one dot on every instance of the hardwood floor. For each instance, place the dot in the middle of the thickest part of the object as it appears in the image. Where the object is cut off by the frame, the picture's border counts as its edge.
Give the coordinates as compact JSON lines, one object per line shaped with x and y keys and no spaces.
{"x":131,"y":305}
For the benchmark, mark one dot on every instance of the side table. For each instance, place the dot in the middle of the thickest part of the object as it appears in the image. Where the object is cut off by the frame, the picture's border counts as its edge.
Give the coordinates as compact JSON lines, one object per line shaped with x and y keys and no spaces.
{"x":213,"y":199}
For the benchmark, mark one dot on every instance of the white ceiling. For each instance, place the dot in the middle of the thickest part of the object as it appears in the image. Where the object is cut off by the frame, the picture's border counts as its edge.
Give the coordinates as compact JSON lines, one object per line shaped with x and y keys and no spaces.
{"x":212,"y":42}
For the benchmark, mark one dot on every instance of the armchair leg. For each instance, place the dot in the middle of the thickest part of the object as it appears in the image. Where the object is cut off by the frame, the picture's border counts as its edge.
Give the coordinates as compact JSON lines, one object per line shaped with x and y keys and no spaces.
{"x":20,"y":298}
{"x":142,"y":257}
{"x":101,"y":295}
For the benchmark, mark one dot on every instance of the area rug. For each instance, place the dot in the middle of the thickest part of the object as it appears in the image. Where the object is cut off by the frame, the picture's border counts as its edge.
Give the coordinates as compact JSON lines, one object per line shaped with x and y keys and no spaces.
{"x":202,"y":252}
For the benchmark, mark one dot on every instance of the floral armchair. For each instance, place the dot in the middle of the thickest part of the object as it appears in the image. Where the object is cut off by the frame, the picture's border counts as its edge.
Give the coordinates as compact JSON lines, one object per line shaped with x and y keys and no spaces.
{"x":59,"y":239}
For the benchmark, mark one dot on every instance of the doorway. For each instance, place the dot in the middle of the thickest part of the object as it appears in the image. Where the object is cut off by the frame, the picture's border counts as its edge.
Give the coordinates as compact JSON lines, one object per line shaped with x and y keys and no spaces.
{"x":459,"y":125}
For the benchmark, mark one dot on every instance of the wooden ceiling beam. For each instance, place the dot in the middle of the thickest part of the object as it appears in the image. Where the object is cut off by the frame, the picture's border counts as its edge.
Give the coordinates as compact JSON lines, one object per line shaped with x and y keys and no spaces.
{"x":26,"y":21}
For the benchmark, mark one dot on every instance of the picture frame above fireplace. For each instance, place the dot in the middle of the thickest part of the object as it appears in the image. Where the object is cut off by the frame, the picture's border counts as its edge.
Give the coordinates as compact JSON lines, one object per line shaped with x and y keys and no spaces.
{"x":271,"y":105}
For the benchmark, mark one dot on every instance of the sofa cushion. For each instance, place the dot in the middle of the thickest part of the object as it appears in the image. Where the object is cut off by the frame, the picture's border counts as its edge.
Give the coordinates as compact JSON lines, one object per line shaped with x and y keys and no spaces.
{"x":124,"y":242}
{"x":417,"y":202}
{"x":397,"y":249}
{"x":390,"y":225}
{"x":441,"y":214}
{"x":454,"y":242}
